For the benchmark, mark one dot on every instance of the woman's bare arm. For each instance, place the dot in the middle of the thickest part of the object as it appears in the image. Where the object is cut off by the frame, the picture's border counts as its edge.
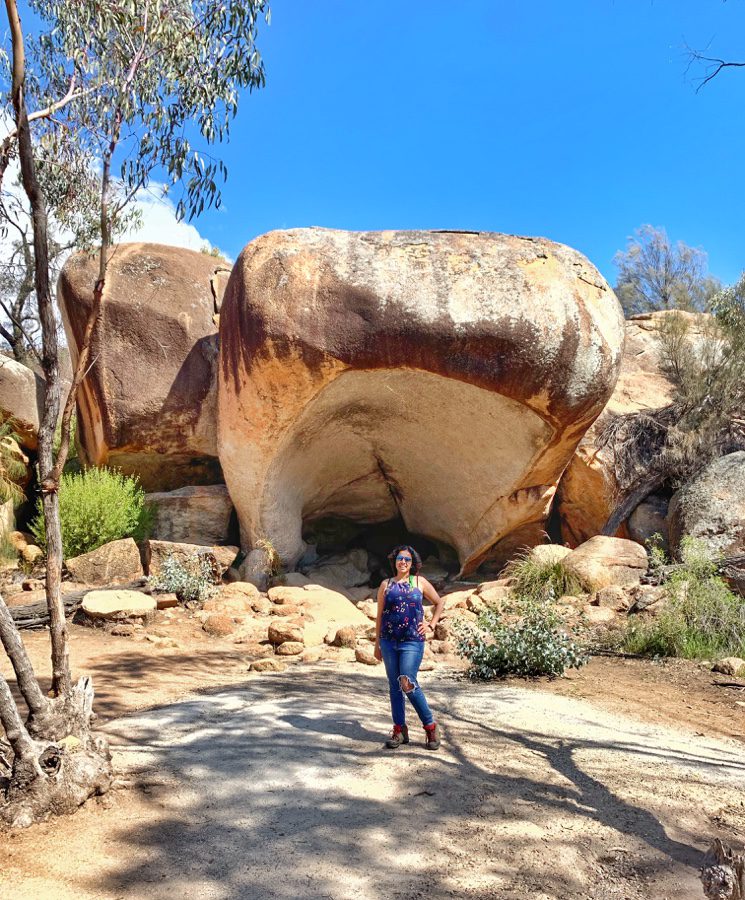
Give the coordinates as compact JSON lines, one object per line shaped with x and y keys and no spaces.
{"x":381,"y":603}
{"x":435,"y":599}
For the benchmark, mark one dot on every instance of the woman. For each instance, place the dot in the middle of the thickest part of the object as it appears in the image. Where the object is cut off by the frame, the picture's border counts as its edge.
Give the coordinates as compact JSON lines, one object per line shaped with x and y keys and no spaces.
{"x":400,"y":632}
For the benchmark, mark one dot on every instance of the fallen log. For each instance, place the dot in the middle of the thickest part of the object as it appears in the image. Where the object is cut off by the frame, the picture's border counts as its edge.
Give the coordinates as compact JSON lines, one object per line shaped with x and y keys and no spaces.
{"x":36,"y":615}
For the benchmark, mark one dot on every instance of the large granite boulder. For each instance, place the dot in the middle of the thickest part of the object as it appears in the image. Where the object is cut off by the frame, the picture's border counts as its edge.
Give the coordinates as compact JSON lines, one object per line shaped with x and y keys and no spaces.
{"x":443,"y":377}
{"x":196,"y":514}
{"x":21,"y":399}
{"x":585,"y":496}
{"x":711,"y":508}
{"x":148,"y":404}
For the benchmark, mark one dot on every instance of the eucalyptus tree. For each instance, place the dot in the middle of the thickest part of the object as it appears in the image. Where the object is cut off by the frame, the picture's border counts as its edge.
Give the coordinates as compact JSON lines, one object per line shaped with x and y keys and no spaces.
{"x":655,"y":274}
{"x":140,"y":87}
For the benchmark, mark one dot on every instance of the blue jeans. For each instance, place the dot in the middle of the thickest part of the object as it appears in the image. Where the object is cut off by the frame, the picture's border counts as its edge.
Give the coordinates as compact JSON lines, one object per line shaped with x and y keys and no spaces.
{"x":402,"y":660}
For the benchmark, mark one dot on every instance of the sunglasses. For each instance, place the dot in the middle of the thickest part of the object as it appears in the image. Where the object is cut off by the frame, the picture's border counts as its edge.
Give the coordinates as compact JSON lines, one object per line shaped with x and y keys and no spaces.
{"x":401,"y":558}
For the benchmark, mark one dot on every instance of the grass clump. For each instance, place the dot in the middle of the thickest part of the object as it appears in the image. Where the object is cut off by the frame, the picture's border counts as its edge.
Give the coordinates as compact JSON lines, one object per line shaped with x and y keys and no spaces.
{"x":97,"y":506}
{"x":191,"y":578}
{"x":701,"y":617}
{"x":541,"y":578}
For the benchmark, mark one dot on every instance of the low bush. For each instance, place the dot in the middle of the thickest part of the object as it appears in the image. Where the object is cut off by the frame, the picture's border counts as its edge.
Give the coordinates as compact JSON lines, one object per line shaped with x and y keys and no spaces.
{"x":530,"y":638}
{"x":538,"y":578}
{"x":190,"y":578}
{"x":97,"y":506}
{"x":701,"y":617}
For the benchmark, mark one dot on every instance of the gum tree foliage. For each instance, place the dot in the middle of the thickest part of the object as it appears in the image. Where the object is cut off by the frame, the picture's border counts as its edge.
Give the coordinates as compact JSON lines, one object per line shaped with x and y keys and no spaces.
{"x":654,"y":274}
{"x":71,"y":187}
{"x":139,"y":87}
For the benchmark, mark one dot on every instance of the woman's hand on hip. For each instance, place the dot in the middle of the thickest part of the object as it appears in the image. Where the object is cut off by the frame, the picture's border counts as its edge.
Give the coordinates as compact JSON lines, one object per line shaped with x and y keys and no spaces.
{"x":422,"y":629}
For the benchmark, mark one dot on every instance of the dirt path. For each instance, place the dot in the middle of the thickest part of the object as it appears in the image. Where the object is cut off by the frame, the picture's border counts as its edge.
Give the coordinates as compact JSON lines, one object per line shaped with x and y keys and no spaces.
{"x":278,"y":788}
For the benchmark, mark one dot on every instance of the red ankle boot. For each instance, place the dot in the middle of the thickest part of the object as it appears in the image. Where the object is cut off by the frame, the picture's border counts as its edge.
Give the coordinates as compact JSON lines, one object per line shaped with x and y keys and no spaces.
{"x":399,"y":736}
{"x":433,"y":741}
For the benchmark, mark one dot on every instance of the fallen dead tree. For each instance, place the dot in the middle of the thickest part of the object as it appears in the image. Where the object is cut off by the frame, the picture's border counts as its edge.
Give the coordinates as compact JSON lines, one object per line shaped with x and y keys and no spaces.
{"x":36,"y":615}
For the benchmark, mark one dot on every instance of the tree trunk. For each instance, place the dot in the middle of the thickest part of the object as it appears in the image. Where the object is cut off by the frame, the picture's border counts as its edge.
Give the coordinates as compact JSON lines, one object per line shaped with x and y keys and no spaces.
{"x":629,"y":504}
{"x":57,"y":762}
{"x":61,"y":678}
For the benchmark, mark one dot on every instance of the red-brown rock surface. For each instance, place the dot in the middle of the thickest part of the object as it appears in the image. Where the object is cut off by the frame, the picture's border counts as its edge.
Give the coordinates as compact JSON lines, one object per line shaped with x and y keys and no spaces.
{"x":444,"y":377}
{"x":585,"y":495}
{"x":148,"y":404}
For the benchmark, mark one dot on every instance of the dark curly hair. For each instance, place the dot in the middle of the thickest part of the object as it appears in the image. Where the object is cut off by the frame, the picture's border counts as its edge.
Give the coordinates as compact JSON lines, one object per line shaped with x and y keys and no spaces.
{"x":416,"y":559}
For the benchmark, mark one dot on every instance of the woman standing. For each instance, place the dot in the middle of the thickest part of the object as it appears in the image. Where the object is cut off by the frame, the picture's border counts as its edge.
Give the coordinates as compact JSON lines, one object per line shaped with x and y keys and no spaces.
{"x":400,"y":631}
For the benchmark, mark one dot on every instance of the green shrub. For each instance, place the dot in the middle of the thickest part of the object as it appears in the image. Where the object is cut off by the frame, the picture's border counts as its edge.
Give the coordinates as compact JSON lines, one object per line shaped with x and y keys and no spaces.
{"x":701,"y":617}
{"x":534,"y":641}
{"x":97,"y":506}
{"x":540,"y":578}
{"x":190,"y":578}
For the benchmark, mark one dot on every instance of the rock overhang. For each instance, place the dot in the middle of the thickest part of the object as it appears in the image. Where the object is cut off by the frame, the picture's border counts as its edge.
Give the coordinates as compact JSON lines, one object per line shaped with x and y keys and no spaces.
{"x":316,"y":325}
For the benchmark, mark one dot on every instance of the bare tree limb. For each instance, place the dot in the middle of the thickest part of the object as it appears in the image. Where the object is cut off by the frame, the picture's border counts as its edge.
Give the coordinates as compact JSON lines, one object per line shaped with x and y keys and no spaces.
{"x":25,"y":677}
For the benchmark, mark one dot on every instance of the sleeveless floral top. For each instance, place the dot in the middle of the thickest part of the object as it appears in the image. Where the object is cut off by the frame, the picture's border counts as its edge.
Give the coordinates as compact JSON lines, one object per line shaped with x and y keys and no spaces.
{"x":403,"y":611}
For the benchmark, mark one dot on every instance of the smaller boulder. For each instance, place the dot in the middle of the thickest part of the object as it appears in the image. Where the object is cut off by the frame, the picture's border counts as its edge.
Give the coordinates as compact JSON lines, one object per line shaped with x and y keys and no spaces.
{"x":118,"y":605}
{"x":457,"y":599}
{"x":730,"y":665}
{"x":166,"y":601}
{"x":285,"y":609}
{"x":345,"y":637}
{"x":269,"y":664}
{"x":117,"y":562}
{"x":612,"y":597}
{"x":290,"y":648}
{"x":286,"y":595}
{"x":219,"y":625}
{"x":31,"y":553}
{"x":443,"y":631}
{"x":647,"y":598}
{"x":603,"y":561}
{"x":366,"y":657}
{"x":280,"y":632}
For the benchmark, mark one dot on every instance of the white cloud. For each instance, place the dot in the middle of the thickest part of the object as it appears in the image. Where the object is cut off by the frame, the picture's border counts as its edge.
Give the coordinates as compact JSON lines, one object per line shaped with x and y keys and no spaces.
{"x":159,"y":224}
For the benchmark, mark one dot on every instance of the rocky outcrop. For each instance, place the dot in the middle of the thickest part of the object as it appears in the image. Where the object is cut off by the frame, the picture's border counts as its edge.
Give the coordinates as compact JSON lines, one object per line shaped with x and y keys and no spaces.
{"x":148,"y":404}
{"x":195,"y":514}
{"x":21,"y":399}
{"x":585,"y":496}
{"x":442,"y":377}
{"x":711,"y":508}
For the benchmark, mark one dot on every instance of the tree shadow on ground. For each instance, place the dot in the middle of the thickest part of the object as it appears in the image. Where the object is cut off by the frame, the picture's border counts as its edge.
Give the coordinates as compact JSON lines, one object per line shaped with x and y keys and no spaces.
{"x":279,"y":788}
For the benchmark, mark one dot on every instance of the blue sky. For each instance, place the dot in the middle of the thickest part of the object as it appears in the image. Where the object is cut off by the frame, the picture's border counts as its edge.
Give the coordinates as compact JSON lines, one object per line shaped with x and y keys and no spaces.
{"x":571,"y":119}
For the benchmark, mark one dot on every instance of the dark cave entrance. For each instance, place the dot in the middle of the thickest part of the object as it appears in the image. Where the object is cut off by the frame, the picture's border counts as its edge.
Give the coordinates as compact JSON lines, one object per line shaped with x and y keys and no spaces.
{"x":332,"y":537}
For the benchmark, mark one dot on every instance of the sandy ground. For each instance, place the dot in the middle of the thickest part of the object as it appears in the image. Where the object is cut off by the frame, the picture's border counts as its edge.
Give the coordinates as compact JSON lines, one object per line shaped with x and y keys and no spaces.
{"x":277,"y":786}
